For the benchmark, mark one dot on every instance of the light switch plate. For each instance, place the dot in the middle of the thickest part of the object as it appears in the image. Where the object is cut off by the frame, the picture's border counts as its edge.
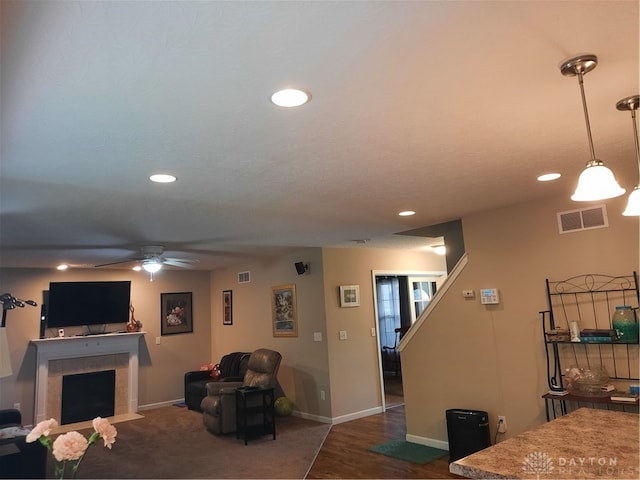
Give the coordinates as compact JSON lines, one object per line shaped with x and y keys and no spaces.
{"x":317,"y":336}
{"x":343,"y":334}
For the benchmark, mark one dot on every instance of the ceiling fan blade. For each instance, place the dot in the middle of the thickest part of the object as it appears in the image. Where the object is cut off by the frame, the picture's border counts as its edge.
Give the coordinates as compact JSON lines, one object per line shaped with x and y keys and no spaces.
{"x":178,"y":262}
{"x":117,"y":263}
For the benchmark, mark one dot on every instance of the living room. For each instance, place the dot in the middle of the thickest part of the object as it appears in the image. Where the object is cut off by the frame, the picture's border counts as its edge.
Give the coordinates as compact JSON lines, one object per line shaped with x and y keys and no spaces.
{"x":485,"y":339}
{"x":247,"y":207}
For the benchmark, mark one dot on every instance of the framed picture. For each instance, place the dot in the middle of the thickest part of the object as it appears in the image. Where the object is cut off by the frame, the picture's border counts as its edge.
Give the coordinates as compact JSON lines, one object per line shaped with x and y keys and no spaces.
{"x":284,"y":312}
{"x":349,"y":295}
{"x":227,"y":307}
{"x":176,"y":315}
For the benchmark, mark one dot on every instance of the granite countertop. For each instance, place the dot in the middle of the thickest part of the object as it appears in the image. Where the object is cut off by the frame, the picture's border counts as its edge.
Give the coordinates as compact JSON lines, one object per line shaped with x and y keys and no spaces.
{"x":586,"y":443}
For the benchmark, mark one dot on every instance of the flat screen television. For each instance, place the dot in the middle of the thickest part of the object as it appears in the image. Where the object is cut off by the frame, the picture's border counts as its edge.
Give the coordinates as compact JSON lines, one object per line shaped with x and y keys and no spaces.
{"x":88,"y":303}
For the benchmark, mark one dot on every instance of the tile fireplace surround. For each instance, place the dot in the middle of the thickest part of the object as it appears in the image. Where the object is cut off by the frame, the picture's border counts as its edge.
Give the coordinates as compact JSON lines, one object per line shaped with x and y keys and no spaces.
{"x":57,"y":357}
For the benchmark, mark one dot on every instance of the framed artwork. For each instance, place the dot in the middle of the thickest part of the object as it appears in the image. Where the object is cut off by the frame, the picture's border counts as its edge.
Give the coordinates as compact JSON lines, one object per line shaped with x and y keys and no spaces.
{"x":349,"y":295}
{"x":284,"y":312}
{"x":176,"y":315}
{"x":227,"y":307}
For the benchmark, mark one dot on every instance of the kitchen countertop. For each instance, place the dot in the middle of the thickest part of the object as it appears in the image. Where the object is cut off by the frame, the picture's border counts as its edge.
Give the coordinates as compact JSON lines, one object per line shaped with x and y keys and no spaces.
{"x":586,"y":443}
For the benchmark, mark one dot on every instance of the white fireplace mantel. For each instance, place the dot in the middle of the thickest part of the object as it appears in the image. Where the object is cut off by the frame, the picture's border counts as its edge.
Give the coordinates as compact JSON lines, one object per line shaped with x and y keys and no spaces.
{"x":80,"y":347}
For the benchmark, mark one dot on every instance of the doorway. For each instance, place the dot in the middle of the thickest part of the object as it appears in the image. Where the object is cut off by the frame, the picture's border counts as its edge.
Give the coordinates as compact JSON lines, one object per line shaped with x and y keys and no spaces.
{"x":399,"y":299}
{"x":393,"y":319}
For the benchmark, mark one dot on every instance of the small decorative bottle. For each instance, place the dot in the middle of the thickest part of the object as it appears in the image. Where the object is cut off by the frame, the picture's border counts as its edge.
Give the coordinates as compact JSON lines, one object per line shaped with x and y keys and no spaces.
{"x":625,"y":324}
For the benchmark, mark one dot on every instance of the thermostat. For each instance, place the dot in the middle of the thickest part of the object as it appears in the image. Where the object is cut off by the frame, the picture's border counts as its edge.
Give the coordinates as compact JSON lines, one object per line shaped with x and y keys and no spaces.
{"x":489,"y":296}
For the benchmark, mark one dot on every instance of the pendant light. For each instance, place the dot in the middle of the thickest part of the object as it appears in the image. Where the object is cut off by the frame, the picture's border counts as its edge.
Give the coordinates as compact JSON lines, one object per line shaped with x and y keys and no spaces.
{"x":596,"y":182}
{"x":631,"y":104}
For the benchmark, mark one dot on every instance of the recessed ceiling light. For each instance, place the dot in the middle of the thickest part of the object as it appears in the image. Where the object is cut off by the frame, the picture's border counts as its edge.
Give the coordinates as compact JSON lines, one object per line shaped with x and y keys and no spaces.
{"x":62,"y":266}
{"x":547,"y":177}
{"x":162,"y":178}
{"x":290,"y":97}
{"x":439,"y":249}
{"x":407,"y":213}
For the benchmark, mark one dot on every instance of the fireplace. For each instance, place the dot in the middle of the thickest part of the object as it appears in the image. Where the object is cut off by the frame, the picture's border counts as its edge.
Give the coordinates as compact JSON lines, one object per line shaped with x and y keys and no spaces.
{"x":88,"y":395}
{"x":60,"y":357}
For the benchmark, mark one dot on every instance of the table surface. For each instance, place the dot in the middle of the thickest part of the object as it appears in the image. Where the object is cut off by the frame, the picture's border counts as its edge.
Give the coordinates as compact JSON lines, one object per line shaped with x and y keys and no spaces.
{"x":586,"y":443}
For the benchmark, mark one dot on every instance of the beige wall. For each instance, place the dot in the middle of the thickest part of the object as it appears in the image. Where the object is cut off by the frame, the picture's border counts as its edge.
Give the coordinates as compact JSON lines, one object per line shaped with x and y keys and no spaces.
{"x":161,"y":366}
{"x":492,"y":358}
{"x":303,"y":371}
{"x":353,"y":363}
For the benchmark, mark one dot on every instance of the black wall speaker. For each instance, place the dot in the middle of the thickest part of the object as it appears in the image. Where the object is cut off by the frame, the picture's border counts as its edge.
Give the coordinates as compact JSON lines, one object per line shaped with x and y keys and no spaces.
{"x":301,"y":267}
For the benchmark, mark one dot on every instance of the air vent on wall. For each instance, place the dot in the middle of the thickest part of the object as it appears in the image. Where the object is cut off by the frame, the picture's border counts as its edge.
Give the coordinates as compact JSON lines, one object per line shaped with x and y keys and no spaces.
{"x":244,"y":277}
{"x":583,"y":219}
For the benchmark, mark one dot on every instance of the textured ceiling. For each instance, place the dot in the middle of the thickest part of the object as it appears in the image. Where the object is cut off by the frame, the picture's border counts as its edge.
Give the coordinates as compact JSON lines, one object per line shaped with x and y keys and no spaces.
{"x":443,"y":107}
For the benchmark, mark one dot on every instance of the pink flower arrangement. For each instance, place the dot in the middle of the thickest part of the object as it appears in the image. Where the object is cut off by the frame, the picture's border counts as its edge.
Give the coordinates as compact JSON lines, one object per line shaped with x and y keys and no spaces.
{"x":71,"y":446}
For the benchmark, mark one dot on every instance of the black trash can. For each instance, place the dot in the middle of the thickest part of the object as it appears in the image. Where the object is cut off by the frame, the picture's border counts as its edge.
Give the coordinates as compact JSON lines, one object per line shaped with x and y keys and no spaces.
{"x":468,"y":432}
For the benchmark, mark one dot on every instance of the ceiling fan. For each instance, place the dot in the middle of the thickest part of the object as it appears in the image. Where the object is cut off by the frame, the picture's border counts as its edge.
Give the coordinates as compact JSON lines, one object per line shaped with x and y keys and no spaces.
{"x":152,"y":259}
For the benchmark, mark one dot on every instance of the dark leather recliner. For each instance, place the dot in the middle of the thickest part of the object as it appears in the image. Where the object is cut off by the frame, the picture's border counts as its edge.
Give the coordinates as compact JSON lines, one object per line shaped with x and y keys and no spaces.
{"x":219,"y":406}
{"x":232,"y":369}
{"x":29,"y":459}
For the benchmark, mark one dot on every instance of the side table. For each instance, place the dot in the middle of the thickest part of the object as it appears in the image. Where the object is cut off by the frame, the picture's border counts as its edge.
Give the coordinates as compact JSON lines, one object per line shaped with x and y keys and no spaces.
{"x":255,"y":414}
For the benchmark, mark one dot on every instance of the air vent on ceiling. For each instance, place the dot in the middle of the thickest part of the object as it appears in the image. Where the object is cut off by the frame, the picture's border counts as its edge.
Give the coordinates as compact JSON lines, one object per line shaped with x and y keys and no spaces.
{"x":244,"y":277}
{"x":583,"y":219}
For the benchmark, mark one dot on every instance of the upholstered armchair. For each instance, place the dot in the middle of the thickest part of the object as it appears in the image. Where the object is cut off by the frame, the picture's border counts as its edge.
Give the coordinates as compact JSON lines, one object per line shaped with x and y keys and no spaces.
{"x":232,"y":369}
{"x":219,"y":406}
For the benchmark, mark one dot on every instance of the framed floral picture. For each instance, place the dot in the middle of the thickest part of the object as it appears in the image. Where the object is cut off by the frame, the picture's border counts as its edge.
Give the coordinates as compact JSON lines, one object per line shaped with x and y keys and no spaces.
{"x":284,"y":311}
{"x":227,"y":307}
{"x":176,"y":315}
{"x":349,"y":295}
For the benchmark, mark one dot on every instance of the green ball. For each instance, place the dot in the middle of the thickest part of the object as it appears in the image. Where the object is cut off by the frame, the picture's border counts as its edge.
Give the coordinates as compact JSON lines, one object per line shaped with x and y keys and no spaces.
{"x":283,"y":407}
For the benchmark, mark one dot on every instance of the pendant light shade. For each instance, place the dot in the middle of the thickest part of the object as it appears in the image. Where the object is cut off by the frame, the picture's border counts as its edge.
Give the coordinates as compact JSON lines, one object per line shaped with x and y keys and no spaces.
{"x":631,"y":104}
{"x":633,"y":205}
{"x":596,"y":182}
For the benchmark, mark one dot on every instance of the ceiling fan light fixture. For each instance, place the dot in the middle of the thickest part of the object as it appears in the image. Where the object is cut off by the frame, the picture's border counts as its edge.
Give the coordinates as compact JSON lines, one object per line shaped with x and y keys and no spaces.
{"x":596,"y":182}
{"x":152,"y":265}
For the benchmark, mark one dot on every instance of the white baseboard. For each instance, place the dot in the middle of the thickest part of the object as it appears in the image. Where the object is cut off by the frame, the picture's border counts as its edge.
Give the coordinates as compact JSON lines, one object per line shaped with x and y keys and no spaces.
{"x":296,"y":413}
{"x":309,"y":416}
{"x":429,"y":442}
{"x":151,"y":406}
{"x":356,"y":415}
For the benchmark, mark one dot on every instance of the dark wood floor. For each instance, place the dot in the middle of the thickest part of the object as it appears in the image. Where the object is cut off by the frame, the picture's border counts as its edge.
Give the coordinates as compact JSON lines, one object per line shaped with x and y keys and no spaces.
{"x":345,"y":455}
